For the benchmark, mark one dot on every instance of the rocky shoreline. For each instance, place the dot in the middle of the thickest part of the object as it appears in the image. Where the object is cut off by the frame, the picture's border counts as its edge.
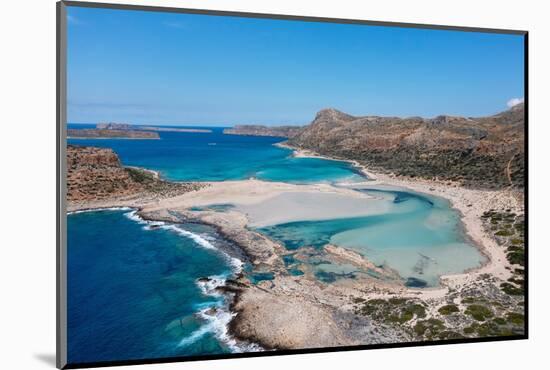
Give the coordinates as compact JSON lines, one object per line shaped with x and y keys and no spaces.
{"x":288,"y":312}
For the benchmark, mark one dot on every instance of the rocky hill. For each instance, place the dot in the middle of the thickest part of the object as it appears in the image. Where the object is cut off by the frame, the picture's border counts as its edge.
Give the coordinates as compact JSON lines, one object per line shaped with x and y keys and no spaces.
{"x":259,"y":130}
{"x":91,"y":133}
{"x":95,"y":174}
{"x":485,"y":152}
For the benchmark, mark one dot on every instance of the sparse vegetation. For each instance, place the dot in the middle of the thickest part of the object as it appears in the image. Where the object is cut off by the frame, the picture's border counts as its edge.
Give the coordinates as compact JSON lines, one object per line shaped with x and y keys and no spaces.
{"x":448,"y":309}
{"x":479,"y":312}
{"x":393,"y":310}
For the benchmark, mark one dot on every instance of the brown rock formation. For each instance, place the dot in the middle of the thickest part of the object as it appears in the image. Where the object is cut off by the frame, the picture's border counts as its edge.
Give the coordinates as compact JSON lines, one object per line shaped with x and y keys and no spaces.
{"x":96,"y":174}
{"x":483,"y":152}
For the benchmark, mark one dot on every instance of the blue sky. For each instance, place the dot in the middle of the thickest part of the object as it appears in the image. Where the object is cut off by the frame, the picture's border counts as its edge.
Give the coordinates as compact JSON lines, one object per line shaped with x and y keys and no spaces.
{"x":165,"y":68}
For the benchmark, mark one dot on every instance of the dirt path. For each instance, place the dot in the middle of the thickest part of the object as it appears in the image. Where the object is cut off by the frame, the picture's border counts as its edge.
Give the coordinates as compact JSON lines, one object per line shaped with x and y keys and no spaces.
{"x":507,"y":171}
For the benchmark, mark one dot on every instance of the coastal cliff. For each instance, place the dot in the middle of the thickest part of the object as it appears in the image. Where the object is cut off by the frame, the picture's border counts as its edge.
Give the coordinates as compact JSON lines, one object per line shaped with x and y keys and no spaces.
{"x":110,"y":134}
{"x":485,"y":152}
{"x":259,"y":130}
{"x":96,"y":175}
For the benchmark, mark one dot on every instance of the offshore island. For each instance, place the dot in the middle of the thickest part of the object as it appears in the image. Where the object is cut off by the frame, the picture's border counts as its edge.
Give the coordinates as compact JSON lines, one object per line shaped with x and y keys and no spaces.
{"x":440,"y":168}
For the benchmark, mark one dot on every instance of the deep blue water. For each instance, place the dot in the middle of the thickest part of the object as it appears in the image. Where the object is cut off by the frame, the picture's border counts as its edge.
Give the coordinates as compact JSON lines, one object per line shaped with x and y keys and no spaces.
{"x":133,"y":293}
{"x":216,"y":157}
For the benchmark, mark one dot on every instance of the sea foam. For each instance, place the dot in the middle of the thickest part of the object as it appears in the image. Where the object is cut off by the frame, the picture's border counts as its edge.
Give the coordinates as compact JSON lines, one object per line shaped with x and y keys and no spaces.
{"x":99,"y":210}
{"x":217,"y":316}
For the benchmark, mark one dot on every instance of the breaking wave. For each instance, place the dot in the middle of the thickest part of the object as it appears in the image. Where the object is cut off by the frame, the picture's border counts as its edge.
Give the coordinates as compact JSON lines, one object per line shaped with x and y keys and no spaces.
{"x":216,"y":316}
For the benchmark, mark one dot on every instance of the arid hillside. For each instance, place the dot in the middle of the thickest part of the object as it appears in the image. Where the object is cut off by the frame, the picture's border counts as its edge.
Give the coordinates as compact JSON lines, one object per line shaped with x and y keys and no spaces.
{"x":485,"y":152}
{"x":95,"y":174}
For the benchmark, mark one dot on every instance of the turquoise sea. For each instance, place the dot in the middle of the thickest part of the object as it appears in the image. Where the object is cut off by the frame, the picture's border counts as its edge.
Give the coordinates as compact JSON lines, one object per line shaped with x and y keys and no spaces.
{"x":214,"y":156}
{"x":135,"y":289}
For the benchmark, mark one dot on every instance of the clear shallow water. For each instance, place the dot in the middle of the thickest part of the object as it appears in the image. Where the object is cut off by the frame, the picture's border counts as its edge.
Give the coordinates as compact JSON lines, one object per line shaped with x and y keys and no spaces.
{"x":133,"y":291}
{"x":419,"y":236}
{"x":216,"y":157}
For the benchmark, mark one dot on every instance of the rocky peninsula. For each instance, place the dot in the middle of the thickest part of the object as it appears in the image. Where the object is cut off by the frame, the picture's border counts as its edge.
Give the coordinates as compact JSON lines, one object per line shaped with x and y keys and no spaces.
{"x":96,"y":179}
{"x":128,"y":127}
{"x":259,"y":130}
{"x":92,"y":133}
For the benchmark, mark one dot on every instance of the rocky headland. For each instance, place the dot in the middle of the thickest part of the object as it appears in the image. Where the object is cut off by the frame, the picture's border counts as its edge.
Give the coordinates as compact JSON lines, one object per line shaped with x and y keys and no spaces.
{"x":92,"y":133}
{"x":259,"y":130}
{"x":482,"y":152}
{"x":129,"y":127}
{"x":96,"y":179}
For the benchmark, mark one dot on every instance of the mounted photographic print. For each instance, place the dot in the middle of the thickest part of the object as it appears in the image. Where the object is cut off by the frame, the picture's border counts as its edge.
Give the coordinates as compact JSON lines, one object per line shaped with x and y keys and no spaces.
{"x":235,"y":184}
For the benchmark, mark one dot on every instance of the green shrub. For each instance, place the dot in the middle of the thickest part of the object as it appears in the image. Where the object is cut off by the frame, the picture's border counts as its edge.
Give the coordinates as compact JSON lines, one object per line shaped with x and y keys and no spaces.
{"x":397,"y":300}
{"x":516,"y":258}
{"x":434,"y":326}
{"x":511,"y":289}
{"x":499,"y":321}
{"x":448,"y":309}
{"x":140,"y":175}
{"x":504,"y":232}
{"x":517,"y":241}
{"x":470,"y":329}
{"x":415,"y":309}
{"x":515,"y":318}
{"x":479,"y":312}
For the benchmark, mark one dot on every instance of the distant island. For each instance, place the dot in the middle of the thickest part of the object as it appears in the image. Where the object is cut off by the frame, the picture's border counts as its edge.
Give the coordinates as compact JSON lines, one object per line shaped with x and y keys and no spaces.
{"x":94,"y":133}
{"x":126,"y":126}
{"x":259,"y":130}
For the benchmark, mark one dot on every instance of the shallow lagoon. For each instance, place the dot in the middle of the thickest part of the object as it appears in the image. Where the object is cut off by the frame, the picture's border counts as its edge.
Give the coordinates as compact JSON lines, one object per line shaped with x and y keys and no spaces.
{"x":419,"y":236}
